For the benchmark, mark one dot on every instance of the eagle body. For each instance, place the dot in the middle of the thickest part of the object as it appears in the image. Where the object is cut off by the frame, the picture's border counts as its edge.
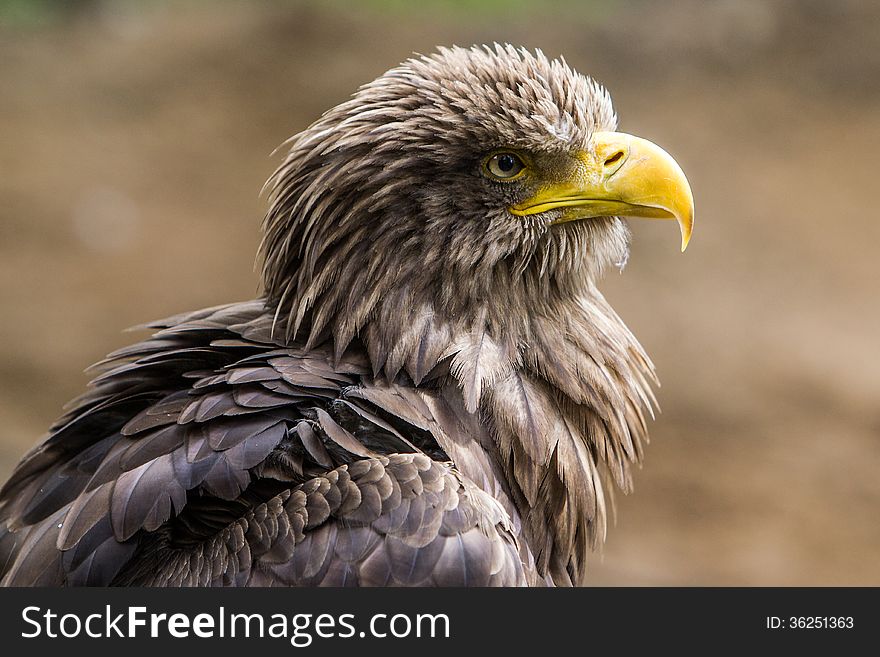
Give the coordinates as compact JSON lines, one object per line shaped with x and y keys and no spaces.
{"x":431,"y":392}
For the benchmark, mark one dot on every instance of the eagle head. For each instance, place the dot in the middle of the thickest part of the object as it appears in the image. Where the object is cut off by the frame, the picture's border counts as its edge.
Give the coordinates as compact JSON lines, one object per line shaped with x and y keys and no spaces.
{"x":466,"y":183}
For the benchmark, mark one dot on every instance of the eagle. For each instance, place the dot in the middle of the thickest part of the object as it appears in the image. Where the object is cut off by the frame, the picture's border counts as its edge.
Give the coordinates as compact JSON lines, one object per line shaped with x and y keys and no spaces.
{"x":430,"y":390}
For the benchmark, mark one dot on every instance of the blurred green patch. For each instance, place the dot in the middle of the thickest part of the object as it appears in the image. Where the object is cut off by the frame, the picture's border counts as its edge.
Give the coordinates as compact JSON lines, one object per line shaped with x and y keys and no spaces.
{"x":27,"y":12}
{"x":476,"y":8}
{"x":451,"y":7}
{"x":33,"y":13}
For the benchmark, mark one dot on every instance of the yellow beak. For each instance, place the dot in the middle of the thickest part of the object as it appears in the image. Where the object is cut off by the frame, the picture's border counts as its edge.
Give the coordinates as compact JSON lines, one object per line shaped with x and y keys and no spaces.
{"x":619,"y":175}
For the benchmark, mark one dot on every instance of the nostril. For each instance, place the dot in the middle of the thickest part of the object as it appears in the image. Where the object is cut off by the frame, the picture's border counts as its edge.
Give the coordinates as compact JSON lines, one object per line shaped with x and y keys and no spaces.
{"x":614,"y":158}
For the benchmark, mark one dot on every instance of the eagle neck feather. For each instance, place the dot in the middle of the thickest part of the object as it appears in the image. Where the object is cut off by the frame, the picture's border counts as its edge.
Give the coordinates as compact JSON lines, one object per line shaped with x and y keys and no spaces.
{"x":558,"y":381}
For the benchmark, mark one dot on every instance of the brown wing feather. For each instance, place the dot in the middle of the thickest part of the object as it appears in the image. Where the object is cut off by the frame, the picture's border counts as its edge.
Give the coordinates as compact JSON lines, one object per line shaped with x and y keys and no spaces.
{"x":400,"y":520}
{"x":202,"y":446}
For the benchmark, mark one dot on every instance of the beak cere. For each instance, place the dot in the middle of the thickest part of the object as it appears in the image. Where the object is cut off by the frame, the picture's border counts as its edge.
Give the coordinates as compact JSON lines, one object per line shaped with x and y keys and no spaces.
{"x":619,"y":175}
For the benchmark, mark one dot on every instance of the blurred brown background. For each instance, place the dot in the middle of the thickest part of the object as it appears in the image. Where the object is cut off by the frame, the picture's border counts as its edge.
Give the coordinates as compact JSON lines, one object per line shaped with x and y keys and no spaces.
{"x":135,"y":137}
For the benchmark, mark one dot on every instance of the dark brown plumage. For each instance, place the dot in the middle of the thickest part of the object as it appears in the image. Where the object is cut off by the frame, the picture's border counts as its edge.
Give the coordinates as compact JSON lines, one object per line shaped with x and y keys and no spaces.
{"x":432,"y":390}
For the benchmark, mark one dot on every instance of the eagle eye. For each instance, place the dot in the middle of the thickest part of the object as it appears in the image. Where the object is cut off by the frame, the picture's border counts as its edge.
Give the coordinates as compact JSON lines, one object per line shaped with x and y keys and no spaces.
{"x":504,"y":166}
